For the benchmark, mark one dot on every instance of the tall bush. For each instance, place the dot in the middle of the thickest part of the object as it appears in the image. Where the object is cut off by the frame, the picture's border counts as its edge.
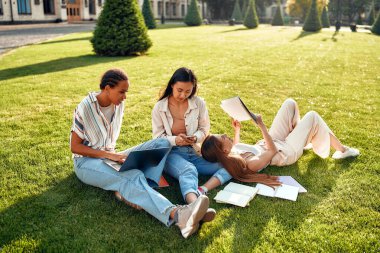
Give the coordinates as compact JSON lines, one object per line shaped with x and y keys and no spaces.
{"x":278,"y":19}
{"x":376,"y":26}
{"x":371,"y":18}
{"x":148,"y":15}
{"x":325,"y":18}
{"x":313,"y":22}
{"x":120,"y":30}
{"x":236,"y":14}
{"x":251,"y":20}
{"x":193,"y":17}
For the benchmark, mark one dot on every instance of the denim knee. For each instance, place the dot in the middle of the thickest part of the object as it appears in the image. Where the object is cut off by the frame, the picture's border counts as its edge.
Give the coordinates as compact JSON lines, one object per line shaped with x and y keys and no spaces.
{"x":163,"y":143}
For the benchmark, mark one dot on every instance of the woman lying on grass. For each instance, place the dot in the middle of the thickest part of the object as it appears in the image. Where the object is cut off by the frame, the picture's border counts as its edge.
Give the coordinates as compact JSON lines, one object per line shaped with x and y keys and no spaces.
{"x":282,"y":145}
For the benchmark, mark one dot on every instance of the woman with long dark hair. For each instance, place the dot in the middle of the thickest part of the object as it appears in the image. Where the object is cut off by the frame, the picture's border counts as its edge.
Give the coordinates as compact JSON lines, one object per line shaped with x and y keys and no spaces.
{"x":282,"y":145}
{"x":182,"y":118}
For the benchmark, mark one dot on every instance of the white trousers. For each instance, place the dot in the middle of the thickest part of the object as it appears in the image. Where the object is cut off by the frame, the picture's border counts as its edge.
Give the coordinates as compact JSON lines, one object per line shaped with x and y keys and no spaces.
{"x":291,"y":134}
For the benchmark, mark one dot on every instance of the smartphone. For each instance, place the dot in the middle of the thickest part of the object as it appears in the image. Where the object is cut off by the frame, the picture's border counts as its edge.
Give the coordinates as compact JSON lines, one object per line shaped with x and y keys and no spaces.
{"x":190,"y":138}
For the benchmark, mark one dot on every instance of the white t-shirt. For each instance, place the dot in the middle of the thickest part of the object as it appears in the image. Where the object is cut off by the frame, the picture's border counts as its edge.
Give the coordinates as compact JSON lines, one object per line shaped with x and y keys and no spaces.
{"x":241,"y":148}
{"x":108,"y":111}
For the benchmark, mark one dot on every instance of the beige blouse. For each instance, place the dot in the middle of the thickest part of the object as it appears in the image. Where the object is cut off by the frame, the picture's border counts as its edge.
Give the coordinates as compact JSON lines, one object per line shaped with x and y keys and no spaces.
{"x":197,"y":121}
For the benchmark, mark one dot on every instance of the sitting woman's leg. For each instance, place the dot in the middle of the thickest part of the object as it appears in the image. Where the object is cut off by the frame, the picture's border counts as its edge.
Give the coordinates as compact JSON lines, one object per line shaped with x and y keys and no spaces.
{"x":131,"y":185}
{"x":206,"y":168}
{"x":286,"y":120}
{"x":184,"y":171}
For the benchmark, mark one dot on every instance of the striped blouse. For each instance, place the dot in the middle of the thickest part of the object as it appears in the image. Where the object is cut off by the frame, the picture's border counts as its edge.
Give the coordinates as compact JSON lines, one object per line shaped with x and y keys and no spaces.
{"x":90,"y":124}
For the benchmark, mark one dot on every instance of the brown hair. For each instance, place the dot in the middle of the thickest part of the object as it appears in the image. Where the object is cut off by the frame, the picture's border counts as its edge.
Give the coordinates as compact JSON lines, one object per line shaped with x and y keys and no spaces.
{"x":212,"y":151}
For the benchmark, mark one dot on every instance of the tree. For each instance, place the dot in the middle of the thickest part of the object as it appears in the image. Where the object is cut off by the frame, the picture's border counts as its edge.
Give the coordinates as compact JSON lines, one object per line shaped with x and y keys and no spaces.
{"x":236,"y":14}
{"x":251,"y":20}
{"x":193,"y":18}
{"x":325,"y":18}
{"x":299,"y":8}
{"x":350,"y":8}
{"x":148,"y":15}
{"x":312,"y":22}
{"x":278,"y":19}
{"x":376,"y":26}
{"x":120,"y":30}
{"x":371,"y":18}
{"x":359,"y":20}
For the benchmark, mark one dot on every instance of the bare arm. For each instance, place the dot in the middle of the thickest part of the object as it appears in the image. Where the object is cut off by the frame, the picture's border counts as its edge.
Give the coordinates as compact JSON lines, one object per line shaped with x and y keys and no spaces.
{"x":236,"y":126}
{"x":256,"y":163}
{"x":78,"y":148}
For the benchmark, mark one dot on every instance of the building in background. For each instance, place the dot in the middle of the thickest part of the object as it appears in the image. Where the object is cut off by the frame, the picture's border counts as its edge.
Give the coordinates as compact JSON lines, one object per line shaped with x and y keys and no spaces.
{"x":43,"y":11}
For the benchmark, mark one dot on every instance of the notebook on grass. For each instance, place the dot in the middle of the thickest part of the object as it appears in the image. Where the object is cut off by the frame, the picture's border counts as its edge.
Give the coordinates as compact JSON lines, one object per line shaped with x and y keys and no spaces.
{"x":236,"y":194}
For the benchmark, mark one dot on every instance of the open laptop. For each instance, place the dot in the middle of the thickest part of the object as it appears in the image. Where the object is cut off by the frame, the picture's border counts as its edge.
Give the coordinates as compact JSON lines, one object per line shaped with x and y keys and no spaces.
{"x":150,"y":161}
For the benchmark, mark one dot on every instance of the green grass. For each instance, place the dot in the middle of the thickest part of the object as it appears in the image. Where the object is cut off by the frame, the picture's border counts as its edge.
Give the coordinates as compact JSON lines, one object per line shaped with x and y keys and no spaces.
{"x":44,"y":207}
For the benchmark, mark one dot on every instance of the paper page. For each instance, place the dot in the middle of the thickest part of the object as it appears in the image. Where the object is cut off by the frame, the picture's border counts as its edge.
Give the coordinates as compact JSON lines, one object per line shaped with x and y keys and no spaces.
{"x":232,"y":198}
{"x":265,"y":190}
{"x":288,"y":180}
{"x":241,"y":189}
{"x":287,"y":192}
{"x":235,"y":109}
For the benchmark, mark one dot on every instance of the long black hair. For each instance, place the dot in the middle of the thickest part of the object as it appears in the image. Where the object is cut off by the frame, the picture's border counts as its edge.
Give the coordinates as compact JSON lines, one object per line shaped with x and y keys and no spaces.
{"x":180,"y":75}
{"x":112,"y":77}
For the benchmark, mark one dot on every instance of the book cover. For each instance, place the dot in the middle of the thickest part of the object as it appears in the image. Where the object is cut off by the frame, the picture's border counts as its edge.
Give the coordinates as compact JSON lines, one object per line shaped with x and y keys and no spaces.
{"x":236,"y":109}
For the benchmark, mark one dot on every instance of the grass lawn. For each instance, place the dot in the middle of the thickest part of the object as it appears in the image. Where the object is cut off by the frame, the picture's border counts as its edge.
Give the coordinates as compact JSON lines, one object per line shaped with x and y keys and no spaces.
{"x":44,"y":207}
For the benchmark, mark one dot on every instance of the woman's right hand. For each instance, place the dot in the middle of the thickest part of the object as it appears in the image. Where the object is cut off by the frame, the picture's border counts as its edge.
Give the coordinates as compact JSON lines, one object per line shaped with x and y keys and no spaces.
{"x":182,"y":140}
{"x":116,"y":157}
{"x":259,"y":121}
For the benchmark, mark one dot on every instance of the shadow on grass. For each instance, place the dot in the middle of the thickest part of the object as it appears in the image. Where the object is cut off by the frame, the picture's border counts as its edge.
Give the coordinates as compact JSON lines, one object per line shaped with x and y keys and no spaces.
{"x":267,"y":216}
{"x":73,"y":217}
{"x":57,"y":65}
{"x":67,"y":40}
{"x":236,"y":30}
{"x":333,"y":37}
{"x":303,"y":34}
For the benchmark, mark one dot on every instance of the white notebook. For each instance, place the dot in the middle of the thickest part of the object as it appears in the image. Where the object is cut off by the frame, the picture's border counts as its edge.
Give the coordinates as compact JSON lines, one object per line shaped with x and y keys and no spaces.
{"x":283,"y":191}
{"x":236,"y":194}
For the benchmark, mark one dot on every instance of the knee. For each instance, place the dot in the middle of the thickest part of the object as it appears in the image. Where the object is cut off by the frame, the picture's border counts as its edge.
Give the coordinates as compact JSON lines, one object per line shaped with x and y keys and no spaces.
{"x":290,"y":103}
{"x":134,"y":174}
{"x":162,"y":143}
{"x":311,"y":115}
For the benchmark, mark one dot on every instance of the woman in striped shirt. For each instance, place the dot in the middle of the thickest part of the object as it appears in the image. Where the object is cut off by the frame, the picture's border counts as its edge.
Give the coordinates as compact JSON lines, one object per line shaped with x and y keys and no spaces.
{"x":96,"y":127}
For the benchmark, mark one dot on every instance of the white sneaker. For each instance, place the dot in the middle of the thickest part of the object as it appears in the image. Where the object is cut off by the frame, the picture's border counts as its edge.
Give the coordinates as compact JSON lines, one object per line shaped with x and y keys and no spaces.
{"x":190,"y":215}
{"x":350,"y":152}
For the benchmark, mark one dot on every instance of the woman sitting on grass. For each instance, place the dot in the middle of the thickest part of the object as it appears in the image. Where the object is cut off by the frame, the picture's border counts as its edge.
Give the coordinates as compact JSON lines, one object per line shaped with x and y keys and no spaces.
{"x":96,"y":127}
{"x":182,"y":118}
{"x":282,"y":145}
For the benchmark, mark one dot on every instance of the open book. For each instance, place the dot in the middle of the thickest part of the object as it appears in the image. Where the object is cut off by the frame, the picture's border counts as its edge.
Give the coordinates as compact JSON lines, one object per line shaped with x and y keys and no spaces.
{"x":237,"y":109}
{"x":150,"y":161}
{"x":236,"y":194}
{"x":288,"y":190}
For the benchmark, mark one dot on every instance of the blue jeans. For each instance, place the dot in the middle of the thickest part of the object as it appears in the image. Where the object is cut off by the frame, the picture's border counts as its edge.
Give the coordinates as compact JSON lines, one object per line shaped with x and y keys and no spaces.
{"x":184,"y":164}
{"x":131,"y":184}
